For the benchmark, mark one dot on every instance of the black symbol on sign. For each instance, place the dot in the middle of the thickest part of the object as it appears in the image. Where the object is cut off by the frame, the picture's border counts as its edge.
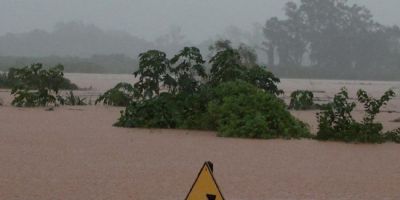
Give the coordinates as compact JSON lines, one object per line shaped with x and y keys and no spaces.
{"x":211,"y":197}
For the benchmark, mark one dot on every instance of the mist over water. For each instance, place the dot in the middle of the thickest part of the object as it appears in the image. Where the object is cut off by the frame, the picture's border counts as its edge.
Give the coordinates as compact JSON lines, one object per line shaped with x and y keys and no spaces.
{"x":149,"y":19}
{"x":107,"y":36}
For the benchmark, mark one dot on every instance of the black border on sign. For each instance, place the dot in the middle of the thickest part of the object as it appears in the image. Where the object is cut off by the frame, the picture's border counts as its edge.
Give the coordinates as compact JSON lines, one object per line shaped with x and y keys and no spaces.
{"x":212,"y":176}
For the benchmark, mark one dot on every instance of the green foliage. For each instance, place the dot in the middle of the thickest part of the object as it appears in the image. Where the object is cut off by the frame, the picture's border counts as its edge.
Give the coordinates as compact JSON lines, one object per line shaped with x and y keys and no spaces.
{"x":9,"y":80}
{"x":169,"y":111}
{"x":190,"y":67}
{"x":372,"y":106}
{"x":230,"y":64}
{"x":66,"y":84}
{"x":121,"y":95}
{"x":28,"y":98}
{"x":263,"y":79}
{"x":157,"y":112}
{"x":302,"y":100}
{"x":337,"y":123}
{"x":194,"y":109}
{"x":71,"y":100}
{"x":226,"y":66}
{"x":239,"y":109}
{"x":235,"y":109}
{"x":153,"y":70}
{"x":35,"y":86}
{"x":393,"y":136}
{"x":239,"y":99}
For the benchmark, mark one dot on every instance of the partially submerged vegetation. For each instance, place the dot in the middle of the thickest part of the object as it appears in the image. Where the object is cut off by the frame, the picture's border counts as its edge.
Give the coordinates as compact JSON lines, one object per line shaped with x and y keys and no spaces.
{"x":71,"y":100}
{"x":121,"y":95}
{"x":34,"y":86}
{"x":9,"y":79}
{"x":302,"y":100}
{"x":238,"y":98}
{"x":337,"y":123}
{"x":240,"y":109}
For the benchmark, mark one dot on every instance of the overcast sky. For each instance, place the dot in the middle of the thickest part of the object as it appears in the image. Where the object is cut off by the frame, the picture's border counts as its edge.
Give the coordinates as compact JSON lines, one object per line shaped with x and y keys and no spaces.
{"x":199,"y":19}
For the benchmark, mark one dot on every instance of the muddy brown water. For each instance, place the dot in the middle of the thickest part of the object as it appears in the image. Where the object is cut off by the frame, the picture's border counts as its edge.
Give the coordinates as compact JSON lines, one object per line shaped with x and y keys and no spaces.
{"x":76,"y":153}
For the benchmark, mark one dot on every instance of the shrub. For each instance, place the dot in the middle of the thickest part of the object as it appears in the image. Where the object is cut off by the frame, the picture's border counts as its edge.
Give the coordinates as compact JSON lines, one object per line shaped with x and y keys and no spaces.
{"x":153,"y":71}
{"x":372,"y":106}
{"x":238,"y":109}
{"x":242,"y":110}
{"x":35,"y":86}
{"x":66,"y":84}
{"x":239,"y":99}
{"x":229,"y":64}
{"x":263,"y":79}
{"x":337,"y":123}
{"x":393,"y":136}
{"x":71,"y":100}
{"x":193,"y":109}
{"x":226,"y":66}
{"x":157,"y":112}
{"x":11,"y":79}
{"x":28,"y":98}
{"x":302,"y":100}
{"x":168,"y":111}
{"x":188,"y":67}
{"x":121,"y":95}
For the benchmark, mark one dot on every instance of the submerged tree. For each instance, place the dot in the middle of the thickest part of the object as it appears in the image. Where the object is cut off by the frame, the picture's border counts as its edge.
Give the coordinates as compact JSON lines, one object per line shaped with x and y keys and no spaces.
{"x":230,"y":64}
{"x":35,"y":86}
{"x":188,"y":69}
{"x":226,"y":66}
{"x":152,"y":72}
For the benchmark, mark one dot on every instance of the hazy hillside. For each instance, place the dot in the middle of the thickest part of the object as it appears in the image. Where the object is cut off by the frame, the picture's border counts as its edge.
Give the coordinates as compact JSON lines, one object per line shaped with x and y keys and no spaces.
{"x":72,"y":39}
{"x":115,"y":63}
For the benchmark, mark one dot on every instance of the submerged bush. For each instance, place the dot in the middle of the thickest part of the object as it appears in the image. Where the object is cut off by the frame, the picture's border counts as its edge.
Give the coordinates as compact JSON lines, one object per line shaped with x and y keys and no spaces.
{"x":234,"y":109}
{"x":194,"y":109}
{"x":263,"y":79}
{"x":168,"y":111}
{"x":71,"y":100}
{"x":337,"y":123}
{"x":239,"y":98}
{"x":242,"y":110}
{"x":393,"y":136}
{"x":35,"y":86}
{"x":158,"y":112}
{"x":121,"y":95}
{"x":302,"y":100}
{"x":11,"y":79}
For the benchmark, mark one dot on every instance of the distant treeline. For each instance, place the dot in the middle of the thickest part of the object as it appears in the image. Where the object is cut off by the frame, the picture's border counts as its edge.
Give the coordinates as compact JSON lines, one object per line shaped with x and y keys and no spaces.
{"x":334,"y":39}
{"x":95,"y":64}
{"x":330,"y":39}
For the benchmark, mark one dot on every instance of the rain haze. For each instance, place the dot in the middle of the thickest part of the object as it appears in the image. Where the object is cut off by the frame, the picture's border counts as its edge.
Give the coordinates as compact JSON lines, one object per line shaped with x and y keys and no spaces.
{"x":129,"y":99}
{"x":150,"y":19}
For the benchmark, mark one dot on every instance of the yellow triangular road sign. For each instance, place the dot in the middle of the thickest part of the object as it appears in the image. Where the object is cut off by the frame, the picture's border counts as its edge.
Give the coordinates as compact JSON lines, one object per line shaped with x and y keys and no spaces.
{"x":205,"y":187}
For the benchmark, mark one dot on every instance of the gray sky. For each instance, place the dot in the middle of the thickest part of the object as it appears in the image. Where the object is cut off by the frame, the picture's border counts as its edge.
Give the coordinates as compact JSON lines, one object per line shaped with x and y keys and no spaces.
{"x":199,"y":19}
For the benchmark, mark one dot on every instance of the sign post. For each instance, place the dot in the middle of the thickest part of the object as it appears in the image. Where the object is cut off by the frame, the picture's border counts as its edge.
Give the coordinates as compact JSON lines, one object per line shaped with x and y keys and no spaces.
{"x":205,"y":187}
